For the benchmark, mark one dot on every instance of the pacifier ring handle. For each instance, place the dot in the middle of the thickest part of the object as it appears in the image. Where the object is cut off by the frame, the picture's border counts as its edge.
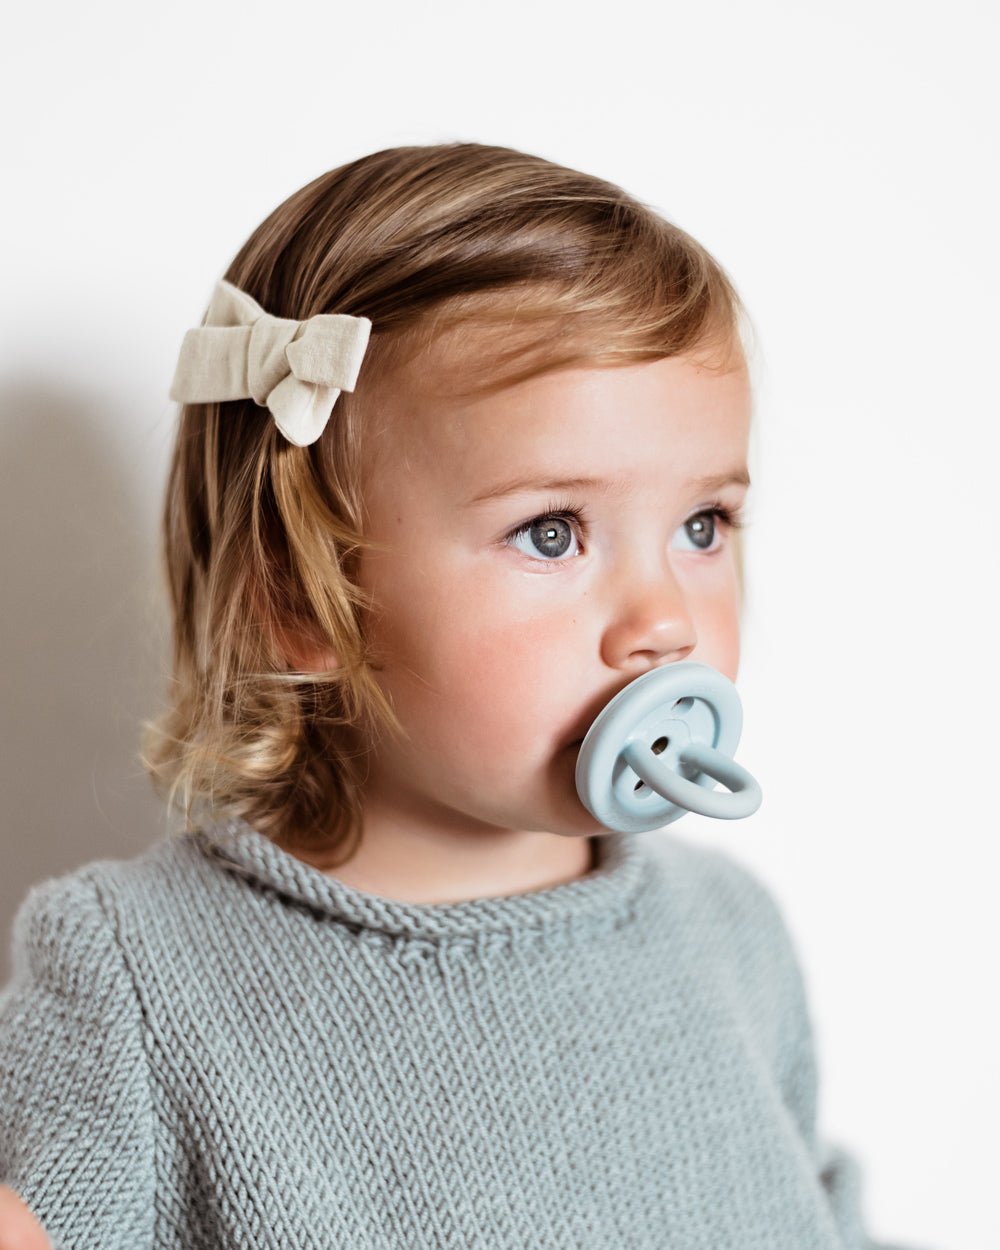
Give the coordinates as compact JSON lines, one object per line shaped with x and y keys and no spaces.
{"x":741,"y":797}
{"x":658,"y":748}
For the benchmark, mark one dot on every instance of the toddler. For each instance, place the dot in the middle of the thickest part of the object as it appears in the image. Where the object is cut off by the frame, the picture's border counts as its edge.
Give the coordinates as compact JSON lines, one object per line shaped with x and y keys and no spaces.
{"x":462,"y":453}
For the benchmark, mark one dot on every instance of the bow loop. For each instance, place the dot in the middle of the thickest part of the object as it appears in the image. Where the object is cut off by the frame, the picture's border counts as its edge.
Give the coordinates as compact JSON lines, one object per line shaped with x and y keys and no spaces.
{"x":297,"y":369}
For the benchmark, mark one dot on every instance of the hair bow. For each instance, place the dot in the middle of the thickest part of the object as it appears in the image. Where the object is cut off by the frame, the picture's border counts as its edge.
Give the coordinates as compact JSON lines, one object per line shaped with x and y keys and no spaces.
{"x":295,"y":368}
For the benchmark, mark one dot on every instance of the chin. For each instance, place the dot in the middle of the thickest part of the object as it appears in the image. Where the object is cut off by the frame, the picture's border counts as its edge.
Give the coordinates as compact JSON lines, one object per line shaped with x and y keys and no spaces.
{"x":569,"y":818}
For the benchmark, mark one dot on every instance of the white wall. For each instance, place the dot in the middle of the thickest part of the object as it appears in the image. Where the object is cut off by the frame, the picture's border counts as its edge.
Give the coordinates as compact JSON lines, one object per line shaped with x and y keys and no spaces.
{"x":839,"y":160}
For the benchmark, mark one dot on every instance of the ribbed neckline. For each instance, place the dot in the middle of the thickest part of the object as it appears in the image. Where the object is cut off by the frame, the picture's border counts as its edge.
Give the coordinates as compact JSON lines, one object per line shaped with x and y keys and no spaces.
{"x":607,"y":889}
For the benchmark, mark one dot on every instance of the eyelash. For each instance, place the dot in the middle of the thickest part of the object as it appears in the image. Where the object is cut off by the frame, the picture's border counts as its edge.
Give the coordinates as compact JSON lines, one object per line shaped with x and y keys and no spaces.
{"x":730,"y":519}
{"x":573,"y":516}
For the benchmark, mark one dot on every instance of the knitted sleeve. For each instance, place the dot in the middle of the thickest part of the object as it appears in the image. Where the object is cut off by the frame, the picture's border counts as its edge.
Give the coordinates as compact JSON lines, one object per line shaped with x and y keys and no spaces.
{"x":76,"y":1118}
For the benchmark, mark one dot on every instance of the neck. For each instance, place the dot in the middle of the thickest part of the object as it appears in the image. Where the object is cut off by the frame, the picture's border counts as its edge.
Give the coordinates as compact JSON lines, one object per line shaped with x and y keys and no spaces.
{"x":425,"y":864}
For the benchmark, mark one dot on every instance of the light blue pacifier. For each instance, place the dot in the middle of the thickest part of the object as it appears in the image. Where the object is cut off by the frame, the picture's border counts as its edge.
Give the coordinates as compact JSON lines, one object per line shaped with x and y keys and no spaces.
{"x":658,"y":748}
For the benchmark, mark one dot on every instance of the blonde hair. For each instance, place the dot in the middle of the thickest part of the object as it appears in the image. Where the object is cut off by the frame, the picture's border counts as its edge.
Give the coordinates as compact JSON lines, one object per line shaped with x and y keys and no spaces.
{"x":262,"y":538}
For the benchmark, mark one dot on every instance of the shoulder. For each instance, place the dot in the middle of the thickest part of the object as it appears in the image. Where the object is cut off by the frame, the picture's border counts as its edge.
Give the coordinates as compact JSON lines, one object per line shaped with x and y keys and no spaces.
{"x":727,"y":920}
{"x":732,"y":938}
{"x":714,"y":887}
{"x":61,"y":927}
{"x":69,"y":930}
{"x":77,"y":1117}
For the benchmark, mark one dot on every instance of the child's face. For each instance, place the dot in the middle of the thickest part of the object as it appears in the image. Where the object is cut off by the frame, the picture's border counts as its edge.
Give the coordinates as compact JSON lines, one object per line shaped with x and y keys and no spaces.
{"x":543,"y":546}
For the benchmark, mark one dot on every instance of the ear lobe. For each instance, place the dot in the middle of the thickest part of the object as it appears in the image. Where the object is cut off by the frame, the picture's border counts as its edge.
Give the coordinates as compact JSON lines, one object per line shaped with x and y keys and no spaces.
{"x":303,"y":651}
{"x":302,"y":646}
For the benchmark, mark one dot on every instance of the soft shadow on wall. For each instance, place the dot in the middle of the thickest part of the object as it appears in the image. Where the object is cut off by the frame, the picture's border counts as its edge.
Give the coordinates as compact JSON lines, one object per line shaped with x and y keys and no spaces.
{"x":84,"y":645}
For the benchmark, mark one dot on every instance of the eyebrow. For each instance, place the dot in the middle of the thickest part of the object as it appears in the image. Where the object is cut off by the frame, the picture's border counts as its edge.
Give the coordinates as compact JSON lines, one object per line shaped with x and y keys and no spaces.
{"x":522,"y":485}
{"x":737,"y":477}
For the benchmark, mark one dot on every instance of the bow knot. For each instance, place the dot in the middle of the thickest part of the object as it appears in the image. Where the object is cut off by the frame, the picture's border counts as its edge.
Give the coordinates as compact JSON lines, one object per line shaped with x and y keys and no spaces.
{"x":297,"y":369}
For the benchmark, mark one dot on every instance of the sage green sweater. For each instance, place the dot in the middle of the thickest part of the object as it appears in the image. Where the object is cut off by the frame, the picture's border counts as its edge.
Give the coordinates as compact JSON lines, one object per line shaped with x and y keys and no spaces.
{"x":218,"y":1046}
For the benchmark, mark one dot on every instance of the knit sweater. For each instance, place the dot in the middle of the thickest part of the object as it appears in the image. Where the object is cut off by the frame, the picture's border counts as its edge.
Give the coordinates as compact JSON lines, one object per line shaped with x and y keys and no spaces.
{"x":217,"y":1045}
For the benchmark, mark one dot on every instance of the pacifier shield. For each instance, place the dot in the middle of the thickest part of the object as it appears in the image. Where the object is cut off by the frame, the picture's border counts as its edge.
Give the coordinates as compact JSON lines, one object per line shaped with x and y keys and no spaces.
{"x":658,"y":748}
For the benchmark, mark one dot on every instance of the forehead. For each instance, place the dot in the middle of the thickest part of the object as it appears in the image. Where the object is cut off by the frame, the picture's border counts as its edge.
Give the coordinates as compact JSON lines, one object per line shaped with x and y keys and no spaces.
{"x":659,"y":422}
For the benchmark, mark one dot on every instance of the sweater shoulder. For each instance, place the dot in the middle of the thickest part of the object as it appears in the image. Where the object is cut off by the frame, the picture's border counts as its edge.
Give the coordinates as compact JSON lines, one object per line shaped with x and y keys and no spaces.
{"x":730,"y":921}
{"x":716,"y":885}
{"x":67,"y":933}
{"x":77,"y":1123}
{"x":63,"y":935}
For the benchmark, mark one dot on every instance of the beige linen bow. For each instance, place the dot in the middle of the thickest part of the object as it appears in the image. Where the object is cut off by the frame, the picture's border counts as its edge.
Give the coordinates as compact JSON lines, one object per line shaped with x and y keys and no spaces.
{"x":295,"y":368}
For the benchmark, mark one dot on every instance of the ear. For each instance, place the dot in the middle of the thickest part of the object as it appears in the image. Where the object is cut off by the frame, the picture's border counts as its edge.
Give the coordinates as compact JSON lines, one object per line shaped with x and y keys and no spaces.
{"x":302,"y":645}
{"x":303,"y":650}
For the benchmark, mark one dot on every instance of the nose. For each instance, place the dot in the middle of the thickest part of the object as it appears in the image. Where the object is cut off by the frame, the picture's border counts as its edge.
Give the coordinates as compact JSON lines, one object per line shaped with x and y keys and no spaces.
{"x":650,"y":624}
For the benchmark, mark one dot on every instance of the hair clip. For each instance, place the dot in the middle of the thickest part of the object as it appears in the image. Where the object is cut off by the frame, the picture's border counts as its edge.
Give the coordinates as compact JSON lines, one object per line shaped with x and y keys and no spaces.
{"x":296,"y":369}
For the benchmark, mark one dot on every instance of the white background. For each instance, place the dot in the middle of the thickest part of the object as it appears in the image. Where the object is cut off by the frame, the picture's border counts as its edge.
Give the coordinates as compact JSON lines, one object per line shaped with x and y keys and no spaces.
{"x":839,"y":160}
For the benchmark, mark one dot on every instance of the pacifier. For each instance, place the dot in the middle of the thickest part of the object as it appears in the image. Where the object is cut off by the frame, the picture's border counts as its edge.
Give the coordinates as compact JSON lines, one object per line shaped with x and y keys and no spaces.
{"x":658,"y":748}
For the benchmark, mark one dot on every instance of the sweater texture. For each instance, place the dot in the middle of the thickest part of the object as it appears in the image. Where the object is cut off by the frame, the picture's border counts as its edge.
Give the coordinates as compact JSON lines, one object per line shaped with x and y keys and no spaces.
{"x":216,"y":1045}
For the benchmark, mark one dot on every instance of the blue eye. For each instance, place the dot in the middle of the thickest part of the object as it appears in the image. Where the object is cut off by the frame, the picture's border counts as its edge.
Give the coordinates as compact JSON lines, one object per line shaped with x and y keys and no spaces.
{"x":549,"y":537}
{"x":698,"y":533}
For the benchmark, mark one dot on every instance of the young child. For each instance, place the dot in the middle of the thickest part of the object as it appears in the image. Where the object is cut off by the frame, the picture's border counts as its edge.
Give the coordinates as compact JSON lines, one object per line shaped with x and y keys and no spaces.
{"x":394,"y":986}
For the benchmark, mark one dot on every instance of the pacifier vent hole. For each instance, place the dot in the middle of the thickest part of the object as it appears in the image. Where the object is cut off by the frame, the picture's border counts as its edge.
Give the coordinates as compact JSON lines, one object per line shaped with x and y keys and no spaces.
{"x":659,"y":746}
{"x":684,"y":705}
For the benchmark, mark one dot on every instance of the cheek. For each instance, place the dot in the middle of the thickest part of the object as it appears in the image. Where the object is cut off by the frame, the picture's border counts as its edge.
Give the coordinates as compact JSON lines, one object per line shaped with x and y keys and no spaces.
{"x":470,"y":666}
{"x":496,"y":669}
{"x":718,"y":631}
{"x":729,"y":655}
